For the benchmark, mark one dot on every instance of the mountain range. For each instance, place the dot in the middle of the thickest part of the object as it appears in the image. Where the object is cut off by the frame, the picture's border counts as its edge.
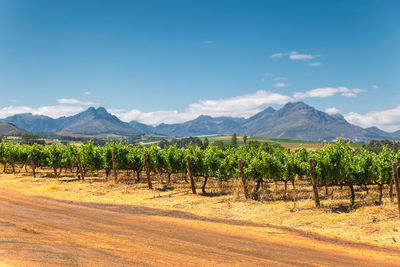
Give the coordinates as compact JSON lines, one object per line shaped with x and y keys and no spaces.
{"x":90,"y":122}
{"x":294,"y":120}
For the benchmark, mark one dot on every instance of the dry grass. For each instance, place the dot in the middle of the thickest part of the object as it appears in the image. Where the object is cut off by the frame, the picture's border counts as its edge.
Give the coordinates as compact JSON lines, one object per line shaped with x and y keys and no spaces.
{"x":366,"y":221}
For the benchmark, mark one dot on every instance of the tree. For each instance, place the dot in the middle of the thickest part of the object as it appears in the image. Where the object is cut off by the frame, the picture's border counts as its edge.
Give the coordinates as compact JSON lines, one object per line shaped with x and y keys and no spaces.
{"x":234,"y":140}
{"x":244,"y":139}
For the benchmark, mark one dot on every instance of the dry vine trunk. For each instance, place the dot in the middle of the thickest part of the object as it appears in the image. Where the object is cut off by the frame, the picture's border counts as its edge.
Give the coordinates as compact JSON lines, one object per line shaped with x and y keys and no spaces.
{"x":192,"y":183}
{"x":314,"y":183}
{"x":146,"y":164}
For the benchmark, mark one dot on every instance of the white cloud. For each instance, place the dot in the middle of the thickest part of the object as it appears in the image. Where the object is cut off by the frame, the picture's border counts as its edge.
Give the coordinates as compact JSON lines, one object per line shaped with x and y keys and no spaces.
{"x":296,"y":56}
{"x":315,"y":64}
{"x":51,"y":111}
{"x":332,"y":110}
{"x":276,"y":55}
{"x":280,"y":85}
{"x":293,"y":55}
{"x":238,"y":106}
{"x":375,"y":86}
{"x":72,"y":101}
{"x":86,"y":93}
{"x":116,"y":110}
{"x":327,"y":92}
{"x":387,"y":119}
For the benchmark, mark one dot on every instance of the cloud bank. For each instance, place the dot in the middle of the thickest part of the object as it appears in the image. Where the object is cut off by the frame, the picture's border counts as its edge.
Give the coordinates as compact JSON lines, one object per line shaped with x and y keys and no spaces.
{"x":72,"y":101}
{"x":332,"y":111}
{"x":385,"y":119}
{"x":51,"y":111}
{"x":328,"y":92}
{"x":238,"y":106}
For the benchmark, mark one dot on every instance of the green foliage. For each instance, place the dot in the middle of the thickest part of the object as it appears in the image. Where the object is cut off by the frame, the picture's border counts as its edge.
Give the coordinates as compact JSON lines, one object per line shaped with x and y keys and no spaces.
{"x":218,"y":144}
{"x":92,"y":157}
{"x":54,"y":155}
{"x":175,"y":159}
{"x":335,"y":164}
{"x":136,"y":158}
{"x":182,"y":142}
{"x":376,"y":146}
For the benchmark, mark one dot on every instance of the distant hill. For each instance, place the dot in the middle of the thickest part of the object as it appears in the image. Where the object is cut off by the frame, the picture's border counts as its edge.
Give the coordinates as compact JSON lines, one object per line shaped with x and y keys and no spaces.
{"x":95,"y":121}
{"x":203,"y":125}
{"x":301,"y":121}
{"x":33,"y":123}
{"x":8,"y":129}
{"x":144,"y":128}
{"x":90,"y":122}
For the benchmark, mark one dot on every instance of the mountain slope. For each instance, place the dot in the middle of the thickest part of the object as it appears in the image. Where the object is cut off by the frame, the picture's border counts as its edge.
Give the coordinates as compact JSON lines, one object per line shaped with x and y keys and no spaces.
{"x":33,"y":123}
{"x":95,"y":121}
{"x":8,"y":129}
{"x":141,"y":127}
{"x":300,"y":121}
{"x":90,"y":122}
{"x":203,"y":125}
{"x":258,"y":122}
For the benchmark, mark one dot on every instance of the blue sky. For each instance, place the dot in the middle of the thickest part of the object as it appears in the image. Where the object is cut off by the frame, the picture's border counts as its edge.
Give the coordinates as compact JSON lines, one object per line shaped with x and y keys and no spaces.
{"x":170,"y":61}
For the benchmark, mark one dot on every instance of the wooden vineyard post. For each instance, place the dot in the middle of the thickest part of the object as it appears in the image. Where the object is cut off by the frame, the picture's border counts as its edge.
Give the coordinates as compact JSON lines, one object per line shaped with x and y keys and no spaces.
{"x":396,"y":180}
{"x":146,"y":165}
{"x":114,"y":166}
{"x":246,"y":194}
{"x":192,"y":184}
{"x":314,"y":183}
{"x":78,"y":157}
{"x":32,"y":165}
{"x":12,"y":162}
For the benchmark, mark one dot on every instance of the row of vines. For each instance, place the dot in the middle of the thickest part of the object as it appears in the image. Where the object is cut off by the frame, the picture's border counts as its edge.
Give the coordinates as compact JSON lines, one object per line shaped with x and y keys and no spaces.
{"x":335,"y":164}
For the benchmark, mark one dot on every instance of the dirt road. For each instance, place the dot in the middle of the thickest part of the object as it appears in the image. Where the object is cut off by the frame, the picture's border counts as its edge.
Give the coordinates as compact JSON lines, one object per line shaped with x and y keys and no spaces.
{"x":38,"y":231}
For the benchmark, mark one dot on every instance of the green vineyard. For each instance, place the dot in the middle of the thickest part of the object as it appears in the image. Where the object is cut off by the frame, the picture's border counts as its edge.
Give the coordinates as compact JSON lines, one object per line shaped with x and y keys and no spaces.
{"x":335,"y":164}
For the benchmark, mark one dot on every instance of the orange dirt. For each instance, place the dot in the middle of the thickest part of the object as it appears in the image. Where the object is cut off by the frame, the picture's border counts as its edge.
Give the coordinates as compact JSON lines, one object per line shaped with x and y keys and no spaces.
{"x":40,"y":231}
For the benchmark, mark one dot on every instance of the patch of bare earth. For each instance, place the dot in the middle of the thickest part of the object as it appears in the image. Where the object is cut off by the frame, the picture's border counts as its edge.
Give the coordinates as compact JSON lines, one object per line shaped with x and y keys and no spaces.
{"x":336,"y":226}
